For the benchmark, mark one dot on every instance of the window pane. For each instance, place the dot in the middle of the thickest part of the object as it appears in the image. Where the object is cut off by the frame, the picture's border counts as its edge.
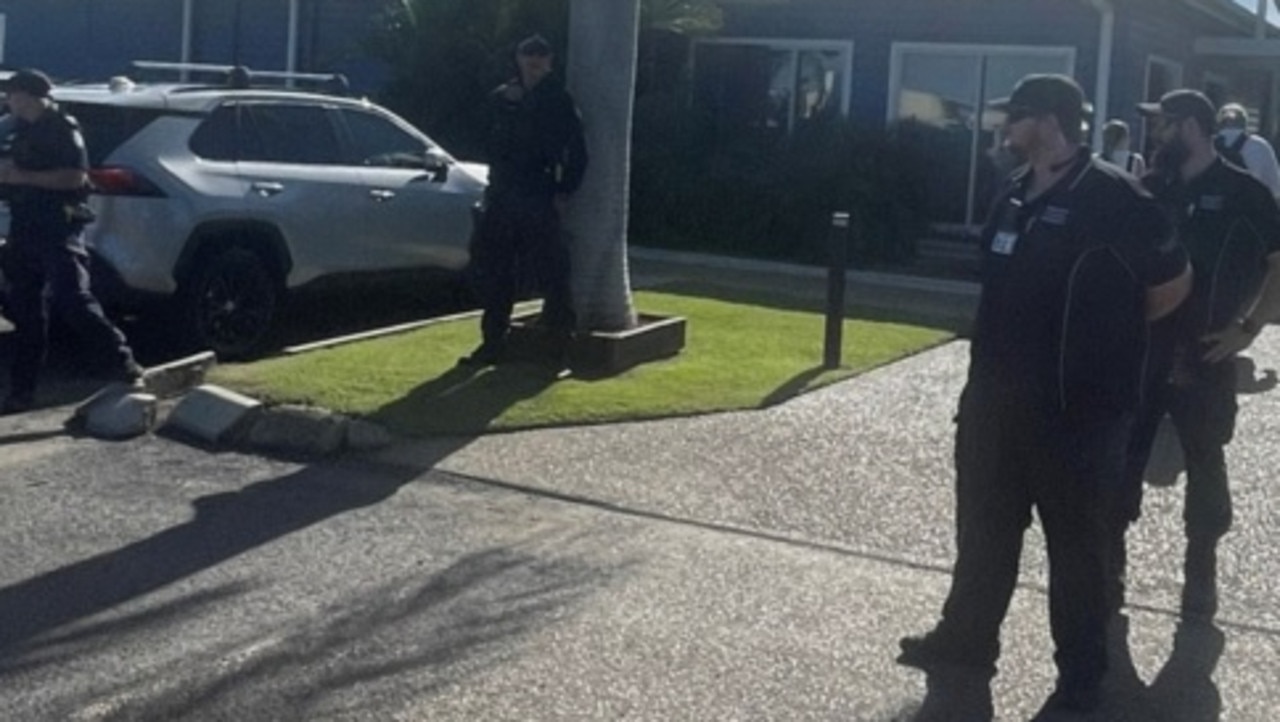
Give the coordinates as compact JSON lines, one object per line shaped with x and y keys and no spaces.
{"x":217,"y":137}
{"x":107,"y":127}
{"x":820,"y":84}
{"x":940,"y":92}
{"x":294,"y":134}
{"x":377,"y":141}
{"x":745,"y":86}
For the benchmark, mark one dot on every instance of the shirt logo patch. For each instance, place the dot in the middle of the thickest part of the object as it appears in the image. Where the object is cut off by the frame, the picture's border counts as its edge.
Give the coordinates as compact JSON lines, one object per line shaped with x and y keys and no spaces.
{"x":1055,"y":215}
{"x":1211,"y":203}
{"x":1004,"y":242}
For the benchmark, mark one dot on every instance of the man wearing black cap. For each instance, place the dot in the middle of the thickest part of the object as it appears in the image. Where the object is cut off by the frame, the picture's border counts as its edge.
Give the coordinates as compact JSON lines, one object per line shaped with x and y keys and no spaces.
{"x":1230,"y":226}
{"x":1077,"y":259}
{"x":48,"y":178}
{"x":537,"y":156}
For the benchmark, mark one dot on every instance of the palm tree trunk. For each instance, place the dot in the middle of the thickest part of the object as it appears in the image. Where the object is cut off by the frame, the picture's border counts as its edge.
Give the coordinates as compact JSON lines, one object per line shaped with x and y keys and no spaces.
{"x":603,"y":39}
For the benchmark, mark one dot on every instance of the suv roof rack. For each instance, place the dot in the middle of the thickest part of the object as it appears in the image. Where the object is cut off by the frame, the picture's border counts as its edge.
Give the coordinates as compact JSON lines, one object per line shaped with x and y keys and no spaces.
{"x":241,"y":77}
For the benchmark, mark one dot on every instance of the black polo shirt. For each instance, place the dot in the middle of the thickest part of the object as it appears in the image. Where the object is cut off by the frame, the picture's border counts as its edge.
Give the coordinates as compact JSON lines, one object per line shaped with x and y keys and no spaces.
{"x":1229,"y":224}
{"x":1061,"y":323}
{"x":51,"y":142}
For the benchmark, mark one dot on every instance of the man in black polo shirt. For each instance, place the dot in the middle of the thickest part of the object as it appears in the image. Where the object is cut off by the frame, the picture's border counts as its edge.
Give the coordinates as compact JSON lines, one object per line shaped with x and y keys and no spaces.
{"x":537,"y":156}
{"x":47,"y":179}
{"x":1230,"y":227}
{"x":1077,"y":259}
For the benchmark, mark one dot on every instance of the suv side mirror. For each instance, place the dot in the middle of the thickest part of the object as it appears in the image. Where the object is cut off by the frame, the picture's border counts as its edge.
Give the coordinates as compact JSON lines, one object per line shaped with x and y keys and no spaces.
{"x":437,"y":165}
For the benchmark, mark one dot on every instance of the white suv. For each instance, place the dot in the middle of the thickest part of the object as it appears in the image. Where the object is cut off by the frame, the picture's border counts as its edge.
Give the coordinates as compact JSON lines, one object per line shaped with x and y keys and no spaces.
{"x":223,"y":198}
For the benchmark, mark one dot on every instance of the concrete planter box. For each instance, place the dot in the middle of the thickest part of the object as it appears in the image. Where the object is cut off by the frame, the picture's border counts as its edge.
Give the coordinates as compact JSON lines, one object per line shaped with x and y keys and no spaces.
{"x":602,"y":353}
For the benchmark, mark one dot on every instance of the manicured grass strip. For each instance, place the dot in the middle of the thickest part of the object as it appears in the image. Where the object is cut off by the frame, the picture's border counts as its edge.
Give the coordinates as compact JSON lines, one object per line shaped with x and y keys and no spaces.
{"x":738,"y":355}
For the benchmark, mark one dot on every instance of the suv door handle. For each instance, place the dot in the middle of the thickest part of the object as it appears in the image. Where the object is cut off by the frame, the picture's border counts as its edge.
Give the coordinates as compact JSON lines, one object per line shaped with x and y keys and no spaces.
{"x":266,"y":189}
{"x":382,"y":195}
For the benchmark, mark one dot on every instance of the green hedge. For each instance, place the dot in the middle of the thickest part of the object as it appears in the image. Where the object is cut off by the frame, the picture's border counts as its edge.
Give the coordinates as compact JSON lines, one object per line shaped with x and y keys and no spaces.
{"x":753,"y":192}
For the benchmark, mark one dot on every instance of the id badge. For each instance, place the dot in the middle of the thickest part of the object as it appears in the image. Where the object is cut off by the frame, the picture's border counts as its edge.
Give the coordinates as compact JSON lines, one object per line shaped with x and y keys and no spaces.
{"x":1004,"y":243}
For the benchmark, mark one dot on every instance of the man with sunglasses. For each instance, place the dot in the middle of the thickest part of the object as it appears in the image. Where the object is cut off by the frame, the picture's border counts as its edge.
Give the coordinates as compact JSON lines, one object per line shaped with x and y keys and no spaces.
{"x":1230,"y":226}
{"x":1077,"y":257}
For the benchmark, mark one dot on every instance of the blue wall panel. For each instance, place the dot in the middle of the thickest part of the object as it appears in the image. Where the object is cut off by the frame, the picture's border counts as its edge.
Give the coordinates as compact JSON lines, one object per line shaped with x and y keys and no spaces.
{"x":94,"y":39}
{"x":89,"y":38}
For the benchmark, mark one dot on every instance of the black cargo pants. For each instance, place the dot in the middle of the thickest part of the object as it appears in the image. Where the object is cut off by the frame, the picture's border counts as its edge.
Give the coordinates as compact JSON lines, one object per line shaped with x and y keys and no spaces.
{"x":1203,"y":412}
{"x":59,"y":264}
{"x":520,"y":231}
{"x":1012,"y":457}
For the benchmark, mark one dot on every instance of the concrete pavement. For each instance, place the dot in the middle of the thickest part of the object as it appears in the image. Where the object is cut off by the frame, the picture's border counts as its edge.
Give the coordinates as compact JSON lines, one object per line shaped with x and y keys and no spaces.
{"x":755,"y":565}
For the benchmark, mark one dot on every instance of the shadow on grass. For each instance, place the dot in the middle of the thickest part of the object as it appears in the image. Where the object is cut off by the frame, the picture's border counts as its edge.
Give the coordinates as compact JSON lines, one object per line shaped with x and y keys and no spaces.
{"x":789,"y":301}
{"x":463,"y":400}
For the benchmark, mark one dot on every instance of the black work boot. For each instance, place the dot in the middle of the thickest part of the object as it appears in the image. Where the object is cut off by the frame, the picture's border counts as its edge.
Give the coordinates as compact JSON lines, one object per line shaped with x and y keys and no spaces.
{"x":489,"y":353}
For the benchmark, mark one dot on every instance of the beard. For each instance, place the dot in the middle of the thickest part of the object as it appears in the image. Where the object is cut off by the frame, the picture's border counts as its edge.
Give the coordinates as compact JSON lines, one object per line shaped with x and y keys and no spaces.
{"x":1170,"y":156}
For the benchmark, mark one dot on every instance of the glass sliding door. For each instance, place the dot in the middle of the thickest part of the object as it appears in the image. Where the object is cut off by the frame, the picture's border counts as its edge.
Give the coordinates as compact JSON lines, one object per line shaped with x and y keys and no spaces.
{"x":944,"y":90}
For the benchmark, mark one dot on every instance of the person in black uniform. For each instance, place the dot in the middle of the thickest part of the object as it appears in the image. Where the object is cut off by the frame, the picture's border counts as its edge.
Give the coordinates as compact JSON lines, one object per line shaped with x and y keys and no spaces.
{"x":1077,"y":258}
{"x":537,"y":156}
{"x":47,"y":179}
{"x":1230,"y":226}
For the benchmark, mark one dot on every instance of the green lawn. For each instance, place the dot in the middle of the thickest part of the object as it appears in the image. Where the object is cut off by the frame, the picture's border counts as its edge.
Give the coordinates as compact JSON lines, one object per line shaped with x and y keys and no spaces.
{"x":742,"y":352}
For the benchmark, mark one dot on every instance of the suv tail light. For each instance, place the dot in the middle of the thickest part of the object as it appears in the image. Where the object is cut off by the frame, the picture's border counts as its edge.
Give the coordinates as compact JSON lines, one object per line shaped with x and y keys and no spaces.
{"x":121,"y":181}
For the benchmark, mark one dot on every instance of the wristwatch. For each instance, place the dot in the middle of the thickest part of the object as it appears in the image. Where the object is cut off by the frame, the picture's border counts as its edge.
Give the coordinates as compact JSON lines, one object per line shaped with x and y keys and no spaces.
{"x":1250,"y":326}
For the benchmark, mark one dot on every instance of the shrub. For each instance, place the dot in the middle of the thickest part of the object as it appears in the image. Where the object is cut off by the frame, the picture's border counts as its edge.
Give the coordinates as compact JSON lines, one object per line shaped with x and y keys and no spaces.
{"x":749,"y":191}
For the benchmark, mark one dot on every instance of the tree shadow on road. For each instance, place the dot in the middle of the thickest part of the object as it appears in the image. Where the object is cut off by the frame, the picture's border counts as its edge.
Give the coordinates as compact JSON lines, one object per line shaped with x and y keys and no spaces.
{"x":404,"y":640}
{"x":224,"y":526}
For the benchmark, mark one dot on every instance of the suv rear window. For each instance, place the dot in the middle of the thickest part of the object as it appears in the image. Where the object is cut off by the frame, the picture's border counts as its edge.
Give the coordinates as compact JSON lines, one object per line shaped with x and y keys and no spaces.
{"x":107,"y":127}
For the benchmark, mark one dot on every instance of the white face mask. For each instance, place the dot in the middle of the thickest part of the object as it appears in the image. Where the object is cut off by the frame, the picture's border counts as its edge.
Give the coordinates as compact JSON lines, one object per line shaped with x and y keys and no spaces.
{"x":1229,"y":135}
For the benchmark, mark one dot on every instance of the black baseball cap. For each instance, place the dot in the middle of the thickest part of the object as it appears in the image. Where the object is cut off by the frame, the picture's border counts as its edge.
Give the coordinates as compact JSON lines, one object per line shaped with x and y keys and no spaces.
{"x":535,"y":46}
{"x":29,"y":81}
{"x":1046,"y":94}
{"x":1181,"y":104}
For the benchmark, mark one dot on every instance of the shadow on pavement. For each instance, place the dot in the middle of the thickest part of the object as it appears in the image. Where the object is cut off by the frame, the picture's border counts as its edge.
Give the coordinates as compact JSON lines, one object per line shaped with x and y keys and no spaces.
{"x":1184,"y":690}
{"x":224,"y":526}
{"x":953,"y":695}
{"x":466,"y":611}
{"x":1248,"y":380}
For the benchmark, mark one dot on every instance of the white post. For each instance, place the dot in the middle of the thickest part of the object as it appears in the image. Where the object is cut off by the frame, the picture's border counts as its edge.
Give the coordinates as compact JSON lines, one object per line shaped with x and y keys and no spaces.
{"x":188,"y":20}
{"x":291,"y":62}
{"x":1260,"y":26}
{"x":1102,"y":91}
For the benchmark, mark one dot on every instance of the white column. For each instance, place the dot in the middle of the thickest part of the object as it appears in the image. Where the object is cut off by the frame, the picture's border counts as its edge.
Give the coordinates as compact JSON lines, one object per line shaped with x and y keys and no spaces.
{"x":291,"y":61}
{"x":188,"y":20}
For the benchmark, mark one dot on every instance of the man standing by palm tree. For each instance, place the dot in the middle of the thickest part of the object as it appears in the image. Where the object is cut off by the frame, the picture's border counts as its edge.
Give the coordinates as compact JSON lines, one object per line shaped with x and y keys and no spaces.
{"x":537,"y":157}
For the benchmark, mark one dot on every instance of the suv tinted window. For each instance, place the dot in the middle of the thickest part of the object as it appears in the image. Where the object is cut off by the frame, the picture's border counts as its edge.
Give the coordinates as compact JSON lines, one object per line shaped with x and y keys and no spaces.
{"x":376,"y":141}
{"x":218,"y":137}
{"x":289,"y":134}
{"x":107,"y":127}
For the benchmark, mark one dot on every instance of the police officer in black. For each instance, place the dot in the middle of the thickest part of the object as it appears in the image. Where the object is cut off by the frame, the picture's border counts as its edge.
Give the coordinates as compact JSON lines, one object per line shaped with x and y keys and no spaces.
{"x":47,"y":180}
{"x":1230,"y":226}
{"x":537,"y":156}
{"x":1077,"y":259}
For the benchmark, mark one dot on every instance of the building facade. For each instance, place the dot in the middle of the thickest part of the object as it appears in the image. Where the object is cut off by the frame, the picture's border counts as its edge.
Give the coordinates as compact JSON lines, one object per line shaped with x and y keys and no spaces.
{"x":94,"y":39}
{"x":939,"y":62}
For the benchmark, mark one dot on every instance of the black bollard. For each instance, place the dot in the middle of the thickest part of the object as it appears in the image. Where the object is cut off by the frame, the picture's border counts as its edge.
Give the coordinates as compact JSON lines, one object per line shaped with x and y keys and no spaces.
{"x":838,"y":259}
